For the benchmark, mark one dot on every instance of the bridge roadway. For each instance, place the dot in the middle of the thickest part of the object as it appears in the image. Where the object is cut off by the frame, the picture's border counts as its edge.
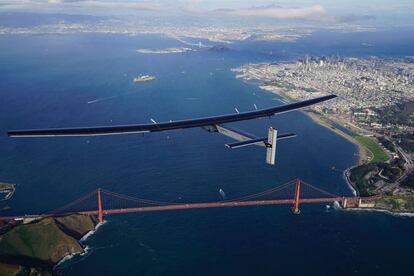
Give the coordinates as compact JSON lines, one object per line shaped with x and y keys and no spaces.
{"x":212,"y":205}
{"x":184,"y":206}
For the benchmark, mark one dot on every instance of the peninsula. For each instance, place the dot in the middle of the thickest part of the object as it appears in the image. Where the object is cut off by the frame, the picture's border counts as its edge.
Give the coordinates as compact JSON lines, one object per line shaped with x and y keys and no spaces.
{"x":34,"y":246}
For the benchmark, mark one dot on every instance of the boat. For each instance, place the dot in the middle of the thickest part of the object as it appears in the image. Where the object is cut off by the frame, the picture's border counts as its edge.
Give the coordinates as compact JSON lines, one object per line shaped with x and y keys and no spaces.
{"x":144,"y":78}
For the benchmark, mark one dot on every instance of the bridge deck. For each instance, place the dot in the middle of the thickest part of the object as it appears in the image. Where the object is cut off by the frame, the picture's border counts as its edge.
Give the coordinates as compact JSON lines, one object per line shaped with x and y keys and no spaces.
{"x":192,"y":206}
{"x":212,"y":205}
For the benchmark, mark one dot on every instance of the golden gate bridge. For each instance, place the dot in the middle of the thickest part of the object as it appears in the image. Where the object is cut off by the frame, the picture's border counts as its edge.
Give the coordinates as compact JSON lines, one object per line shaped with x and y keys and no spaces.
{"x":102,"y":202}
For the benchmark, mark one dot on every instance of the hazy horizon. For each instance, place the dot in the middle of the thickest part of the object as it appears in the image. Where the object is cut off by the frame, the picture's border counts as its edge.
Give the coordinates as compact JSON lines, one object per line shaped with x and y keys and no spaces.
{"x":374,"y":12}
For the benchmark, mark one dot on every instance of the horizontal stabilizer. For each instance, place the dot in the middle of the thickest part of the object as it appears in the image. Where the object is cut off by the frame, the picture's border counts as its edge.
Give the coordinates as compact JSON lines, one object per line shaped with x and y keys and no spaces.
{"x":285,"y":136}
{"x":258,"y":141}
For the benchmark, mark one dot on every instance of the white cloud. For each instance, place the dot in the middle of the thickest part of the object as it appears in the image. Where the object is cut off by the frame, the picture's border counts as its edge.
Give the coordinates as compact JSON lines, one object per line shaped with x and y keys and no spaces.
{"x":316,"y":12}
{"x":140,"y":5}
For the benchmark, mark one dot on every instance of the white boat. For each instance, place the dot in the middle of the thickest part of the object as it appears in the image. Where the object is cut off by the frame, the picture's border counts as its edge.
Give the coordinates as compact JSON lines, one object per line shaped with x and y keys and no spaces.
{"x":144,"y":78}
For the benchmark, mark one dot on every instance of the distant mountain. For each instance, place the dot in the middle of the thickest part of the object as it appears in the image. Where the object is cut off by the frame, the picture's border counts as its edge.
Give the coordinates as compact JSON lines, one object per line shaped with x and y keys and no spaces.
{"x":24,"y":19}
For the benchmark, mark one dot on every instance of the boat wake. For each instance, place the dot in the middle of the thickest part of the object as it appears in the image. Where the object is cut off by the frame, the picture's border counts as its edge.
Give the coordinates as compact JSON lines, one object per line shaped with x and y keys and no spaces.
{"x":103,"y":99}
{"x":337,"y":206}
{"x":150,"y":250}
{"x":223,"y":194}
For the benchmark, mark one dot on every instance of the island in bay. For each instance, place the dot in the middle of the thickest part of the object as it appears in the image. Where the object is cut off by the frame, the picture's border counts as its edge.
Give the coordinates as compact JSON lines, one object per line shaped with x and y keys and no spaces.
{"x":374,"y":110}
{"x":165,"y":50}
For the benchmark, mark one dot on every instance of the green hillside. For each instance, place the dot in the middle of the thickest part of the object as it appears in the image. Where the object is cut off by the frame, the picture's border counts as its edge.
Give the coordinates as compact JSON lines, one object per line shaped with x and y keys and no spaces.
{"x":45,"y":241}
{"x":379,"y":154}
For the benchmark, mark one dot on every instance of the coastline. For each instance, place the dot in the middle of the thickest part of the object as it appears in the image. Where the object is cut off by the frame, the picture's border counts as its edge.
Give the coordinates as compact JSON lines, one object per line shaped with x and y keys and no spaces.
{"x":93,"y":231}
{"x":63,"y":236}
{"x":345,"y":176}
{"x":86,"y":249}
{"x":337,"y":206}
{"x":393,"y":213}
{"x":363,"y":153}
{"x":68,"y":257}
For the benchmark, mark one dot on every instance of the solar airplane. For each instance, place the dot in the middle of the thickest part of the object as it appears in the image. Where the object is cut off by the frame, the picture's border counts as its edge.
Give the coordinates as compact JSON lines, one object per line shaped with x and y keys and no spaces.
{"x":211,"y":124}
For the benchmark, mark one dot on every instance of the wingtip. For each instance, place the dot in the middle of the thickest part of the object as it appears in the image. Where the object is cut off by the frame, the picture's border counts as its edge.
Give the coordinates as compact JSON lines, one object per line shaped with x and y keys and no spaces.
{"x":328,"y":97}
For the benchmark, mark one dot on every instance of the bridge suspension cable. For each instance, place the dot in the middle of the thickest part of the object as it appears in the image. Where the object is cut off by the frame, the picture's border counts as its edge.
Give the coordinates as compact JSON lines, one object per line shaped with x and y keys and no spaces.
{"x":264,"y":193}
{"x":107,"y":200}
{"x":86,"y":198}
{"x":102,"y":202}
{"x":135,"y":199}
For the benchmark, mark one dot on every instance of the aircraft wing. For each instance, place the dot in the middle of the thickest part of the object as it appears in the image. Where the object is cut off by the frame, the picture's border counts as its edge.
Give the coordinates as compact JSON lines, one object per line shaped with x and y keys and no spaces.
{"x":164,"y":126}
{"x":211,"y":124}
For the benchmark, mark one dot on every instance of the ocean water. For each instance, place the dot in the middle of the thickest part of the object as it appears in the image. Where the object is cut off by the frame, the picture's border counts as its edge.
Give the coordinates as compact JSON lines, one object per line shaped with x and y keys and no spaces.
{"x":49,"y":81}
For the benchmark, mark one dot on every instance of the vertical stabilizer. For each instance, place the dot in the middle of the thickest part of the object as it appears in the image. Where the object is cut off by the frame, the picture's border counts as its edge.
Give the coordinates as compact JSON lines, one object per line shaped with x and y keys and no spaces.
{"x":271,"y":146}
